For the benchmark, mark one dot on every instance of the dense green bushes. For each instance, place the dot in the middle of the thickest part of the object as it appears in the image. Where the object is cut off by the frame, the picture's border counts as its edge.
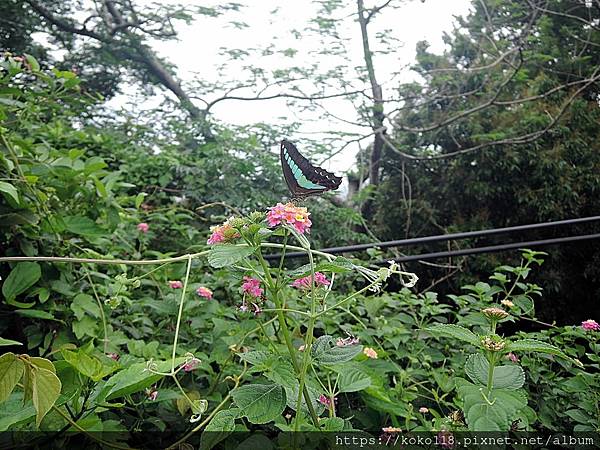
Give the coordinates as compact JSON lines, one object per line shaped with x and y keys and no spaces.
{"x":98,"y":344}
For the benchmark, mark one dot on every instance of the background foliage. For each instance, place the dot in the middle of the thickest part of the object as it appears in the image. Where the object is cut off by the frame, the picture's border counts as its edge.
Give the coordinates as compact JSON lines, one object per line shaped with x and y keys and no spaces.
{"x":76,"y":180}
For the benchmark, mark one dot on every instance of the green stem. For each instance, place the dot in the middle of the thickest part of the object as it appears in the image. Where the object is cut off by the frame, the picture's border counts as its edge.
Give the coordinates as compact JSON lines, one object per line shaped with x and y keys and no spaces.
{"x":286,"y":336}
{"x":91,"y":435}
{"x":308,"y":340}
{"x":101,"y":307}
{"x":102,"y":261}
{"x":490,"y":380}
{"x":210,"y":416}
{"x":341,"y":302}
{"x":281,"y":261}
{"x":180,"y":313}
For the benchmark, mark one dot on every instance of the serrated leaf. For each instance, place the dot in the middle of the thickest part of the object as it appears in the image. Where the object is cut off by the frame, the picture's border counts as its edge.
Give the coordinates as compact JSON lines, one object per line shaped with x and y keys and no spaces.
{"x":456,"y":332}
{"x":505,"y":377}
{"x":256,"y":357}
{"x":226,"y":255}
{"x":332,"y":424}
{"x":338,"y":265}
{"x":11,"y":371}
{"x":260,"y":403}
{"x":325,"y":353}
{"x":22,"y":277}
{"x":352,"y":379}
{"x":533,"y":345}
{"x":220,"y":426}
{"x":45,"y":391}
{"x":339,"y":355}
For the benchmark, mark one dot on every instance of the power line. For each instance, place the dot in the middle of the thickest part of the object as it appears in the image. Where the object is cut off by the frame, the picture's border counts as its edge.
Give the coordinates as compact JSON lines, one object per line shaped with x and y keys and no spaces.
{"x":493,"y":248}
{"x":458,"y":236}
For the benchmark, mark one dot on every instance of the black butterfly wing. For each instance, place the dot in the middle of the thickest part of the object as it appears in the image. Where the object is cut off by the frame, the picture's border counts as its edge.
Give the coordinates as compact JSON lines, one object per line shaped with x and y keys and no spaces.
{"x":302,"y":178}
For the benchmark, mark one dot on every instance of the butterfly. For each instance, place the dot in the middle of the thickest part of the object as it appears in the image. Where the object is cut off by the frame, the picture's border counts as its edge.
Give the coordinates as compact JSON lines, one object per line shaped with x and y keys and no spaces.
{"x":304,"y":179}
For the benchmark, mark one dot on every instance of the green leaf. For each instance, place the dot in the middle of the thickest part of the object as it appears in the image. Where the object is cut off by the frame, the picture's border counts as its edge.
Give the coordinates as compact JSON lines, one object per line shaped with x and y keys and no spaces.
{"x":35,"y":314}
{"x":83,"y":226}
{"x":258,"y":358}
{"x":136,"y":378}
{"x":83,"y":303}
{"x":226,"y":255}
{"x":11,"y":371}
{"x":10,"y":191}
{"x":220,"y":426}
{"x":500,"y":406}
{"x":332,"y":424}
{"x":46,"y":389}
{"x":579,"y":416}
{"x":352,"y":379}
{"x":456,"y":332}
{"x":87,"y":365}
{"x":5,"y":342}
{"x":533,"y":345}
{"x":260,"y":403}
{"x":12,"y":412}
{"x":338,"y":265}
{"x":22,"y":277}
{"x":139,"y":199}
{"x":324,"y":353}
{"x":256,"y":441}
{"x":505,"y":377}
{"x":35,"y":66}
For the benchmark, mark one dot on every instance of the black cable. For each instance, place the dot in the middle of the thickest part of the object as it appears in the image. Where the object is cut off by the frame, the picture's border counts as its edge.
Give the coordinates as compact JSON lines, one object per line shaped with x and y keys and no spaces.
{"x":491,"y":248}
{"x":442,"y":237}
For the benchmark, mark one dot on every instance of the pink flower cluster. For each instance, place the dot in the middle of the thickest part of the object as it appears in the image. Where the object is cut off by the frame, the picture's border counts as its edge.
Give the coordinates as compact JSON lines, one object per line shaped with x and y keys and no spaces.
{"x":305,"y":282}
{"x":345,"y":342}
{"x":190,"y":365}
{"x":143,"y":227}
{"x":289,"y":214}
{"x":152,"y":393}
{"x":590,"y":325}
{"x":175,"y":284}
{"x":113,"y":356}
{"x":324,"y":400}
{"x":222,"y":233}
{"x":204,"y":292}
{"x":251,"y":286}
{"x":512,"y":357}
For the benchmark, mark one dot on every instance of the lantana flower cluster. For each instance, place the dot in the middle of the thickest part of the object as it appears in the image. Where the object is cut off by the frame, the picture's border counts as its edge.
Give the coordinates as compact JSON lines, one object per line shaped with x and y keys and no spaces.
{"x":289,"y":214}
{"x":304,"y":283}
{"x":204,"y":292}
{"x":251,"y":288}
{"x":590,"y":325}
{"x":223,"y":233}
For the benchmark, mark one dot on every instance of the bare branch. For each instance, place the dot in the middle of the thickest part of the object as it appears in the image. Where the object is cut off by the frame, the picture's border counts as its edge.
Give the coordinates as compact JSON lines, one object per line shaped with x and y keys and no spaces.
{"x":375,"y":10}
{"x":64,"y":24}
{"x":281,"y":95}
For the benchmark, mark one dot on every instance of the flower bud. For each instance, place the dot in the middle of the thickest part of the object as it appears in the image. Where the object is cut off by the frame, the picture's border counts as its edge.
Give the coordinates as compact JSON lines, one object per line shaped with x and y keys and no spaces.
{"x":493,"y":343}
{"x":494,"y":313}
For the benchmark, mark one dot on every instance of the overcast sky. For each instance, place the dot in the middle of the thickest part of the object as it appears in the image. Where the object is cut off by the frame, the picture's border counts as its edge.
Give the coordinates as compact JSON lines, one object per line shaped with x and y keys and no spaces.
{"x":197,"y":55}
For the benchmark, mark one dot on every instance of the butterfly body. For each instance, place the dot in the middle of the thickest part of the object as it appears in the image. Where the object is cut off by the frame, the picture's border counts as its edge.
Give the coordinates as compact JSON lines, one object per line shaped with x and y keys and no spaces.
{"x":304,"y":179}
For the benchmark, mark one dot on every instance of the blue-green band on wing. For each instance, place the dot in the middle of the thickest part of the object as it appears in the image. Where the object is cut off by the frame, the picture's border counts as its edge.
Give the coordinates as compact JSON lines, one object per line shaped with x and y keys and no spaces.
{"x":302,"y":178}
